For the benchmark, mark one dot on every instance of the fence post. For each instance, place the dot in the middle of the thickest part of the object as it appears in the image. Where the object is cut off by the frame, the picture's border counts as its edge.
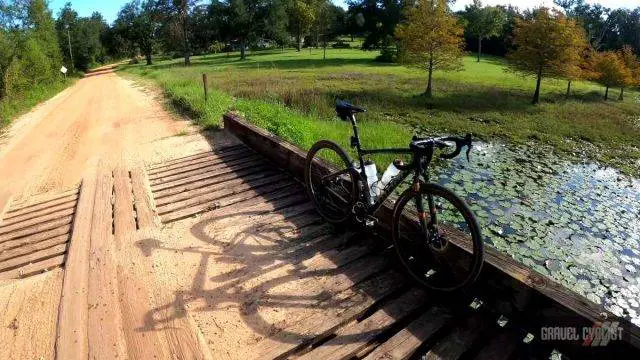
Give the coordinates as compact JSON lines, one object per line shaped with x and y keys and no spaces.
{"x":205,"y":83}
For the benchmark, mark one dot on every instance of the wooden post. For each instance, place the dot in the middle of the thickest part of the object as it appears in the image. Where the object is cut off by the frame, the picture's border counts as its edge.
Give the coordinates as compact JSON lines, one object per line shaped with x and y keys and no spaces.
{"x":205,"y":83}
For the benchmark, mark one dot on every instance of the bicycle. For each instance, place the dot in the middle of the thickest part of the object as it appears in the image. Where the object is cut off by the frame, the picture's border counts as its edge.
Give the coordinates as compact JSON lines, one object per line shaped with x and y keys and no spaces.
{"x":441,"y":249}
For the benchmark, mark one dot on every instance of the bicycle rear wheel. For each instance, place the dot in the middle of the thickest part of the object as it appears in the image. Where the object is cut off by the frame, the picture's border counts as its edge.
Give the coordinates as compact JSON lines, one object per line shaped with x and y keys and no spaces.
{"x":437,"y":238}
{"x":331,"y":184}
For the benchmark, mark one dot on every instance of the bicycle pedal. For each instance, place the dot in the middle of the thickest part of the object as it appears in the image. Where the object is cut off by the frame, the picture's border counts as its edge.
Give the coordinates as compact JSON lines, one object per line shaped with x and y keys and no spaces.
{"x":370,"y":221}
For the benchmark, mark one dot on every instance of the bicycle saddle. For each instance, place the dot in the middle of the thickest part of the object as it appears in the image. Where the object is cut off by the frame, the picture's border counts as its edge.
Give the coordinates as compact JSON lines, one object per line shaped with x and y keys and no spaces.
{"x":345,"y":109}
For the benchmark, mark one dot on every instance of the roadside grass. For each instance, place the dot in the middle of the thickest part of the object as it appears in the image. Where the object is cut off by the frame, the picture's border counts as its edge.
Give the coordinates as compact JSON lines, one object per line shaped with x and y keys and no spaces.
{"x":11,"y":108}
{"x":292,"y":94}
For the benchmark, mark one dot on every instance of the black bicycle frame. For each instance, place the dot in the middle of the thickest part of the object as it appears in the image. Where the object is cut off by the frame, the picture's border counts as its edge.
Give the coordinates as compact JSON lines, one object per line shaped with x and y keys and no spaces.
{"x":416,"y":167}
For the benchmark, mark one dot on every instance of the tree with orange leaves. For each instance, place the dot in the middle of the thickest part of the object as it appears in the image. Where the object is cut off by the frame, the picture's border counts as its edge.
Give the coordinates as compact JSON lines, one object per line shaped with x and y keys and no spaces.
{"x":547,"y":45}
{"x":431,"y":39}
{"x":632,"y":63}
{"x":611,"y":71}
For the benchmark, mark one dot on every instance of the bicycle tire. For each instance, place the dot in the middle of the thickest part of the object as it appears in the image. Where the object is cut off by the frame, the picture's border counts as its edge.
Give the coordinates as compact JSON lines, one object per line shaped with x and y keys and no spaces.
{"x":477,"y":251}
{"x":311,"y":191}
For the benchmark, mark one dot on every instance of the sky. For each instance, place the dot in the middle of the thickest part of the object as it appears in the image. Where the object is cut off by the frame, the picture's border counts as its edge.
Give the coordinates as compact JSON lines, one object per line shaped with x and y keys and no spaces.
{"x":109,"y":8}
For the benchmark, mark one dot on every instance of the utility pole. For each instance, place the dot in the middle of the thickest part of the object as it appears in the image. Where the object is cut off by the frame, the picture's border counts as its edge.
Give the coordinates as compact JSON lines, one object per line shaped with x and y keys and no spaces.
{"x":69,"y":41}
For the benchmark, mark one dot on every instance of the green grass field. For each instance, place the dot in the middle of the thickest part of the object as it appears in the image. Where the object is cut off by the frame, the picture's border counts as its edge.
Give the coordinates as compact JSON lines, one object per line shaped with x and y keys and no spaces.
{"x":292,"y":94}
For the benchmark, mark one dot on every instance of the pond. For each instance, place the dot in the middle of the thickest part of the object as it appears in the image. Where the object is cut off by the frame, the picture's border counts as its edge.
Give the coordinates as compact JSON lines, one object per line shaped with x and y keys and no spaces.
{"x":577,"y":223}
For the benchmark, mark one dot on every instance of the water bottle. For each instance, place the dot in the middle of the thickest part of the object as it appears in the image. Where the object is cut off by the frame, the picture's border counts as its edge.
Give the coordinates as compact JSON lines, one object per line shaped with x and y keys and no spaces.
{"x":372,"y":178}
{"x":391,"y":172}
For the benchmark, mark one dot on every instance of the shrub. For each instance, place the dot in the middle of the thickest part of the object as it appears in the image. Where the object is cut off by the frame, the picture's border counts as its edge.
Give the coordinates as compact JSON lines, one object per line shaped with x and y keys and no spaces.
{"x":387,"y":54}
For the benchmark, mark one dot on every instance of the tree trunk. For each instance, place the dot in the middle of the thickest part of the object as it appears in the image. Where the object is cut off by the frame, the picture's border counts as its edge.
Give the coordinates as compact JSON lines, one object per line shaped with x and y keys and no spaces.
{"x":536,"y":95}
{"x":324,"y":53}
{"x":242,"y":46}
{"x":429,"y":92}
{"x":148,"y":56}
{"x":187,"y":60}
{"x":479,"y":47}
{"x":621,"y":96}
{"x":606,"y":93}
{"x":352,"y":37}
{"x":298,"y":41}
{"x":569,"y":88}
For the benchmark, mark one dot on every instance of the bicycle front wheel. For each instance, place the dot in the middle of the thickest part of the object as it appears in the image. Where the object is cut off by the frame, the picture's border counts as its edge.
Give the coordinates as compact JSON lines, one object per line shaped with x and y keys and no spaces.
{"x":437,"y":238}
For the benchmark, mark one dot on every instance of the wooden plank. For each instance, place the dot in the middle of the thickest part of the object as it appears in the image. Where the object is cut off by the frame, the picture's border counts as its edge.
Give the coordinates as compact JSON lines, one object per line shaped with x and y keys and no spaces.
{"x":33,"y":257}
{"x":197,"y":155}
{"x":222,"y":192}
{"x":259,"y":222}
{"x":134,"y":306}
{"x":30,"y":248}
{"x":187,"y":194}
{"x":11,"y":244}
{"x":455,"y":344}
{"x":7,"y":228}
{"x":106,"y":339}
{"x":340,"y":309}
{"x":124,"y":220}
{"x":211,"y":180}
{"x":39,"y":214}
{"x":146,"y":213}
{"x":405,"y":342}
{"x":28,"y":316}
{"x":356,"y":336}
{"x":259,"y":205}
{"x":33,"y":268}
{"x":43,"y":198}
{"x":253,"y":159}
{"x":501,"y":347}
{"x":176,"y":163}
{"x":195,"y":164}
{"x":31,"y":209}
{"x":177,"y":340}
{"x":230,"y":200}
{"x":5,"y":202}
{"x":159,"y":188}
{"x":73,"y":318}
{"x":39,"y":228}
{"x":193,"y":167}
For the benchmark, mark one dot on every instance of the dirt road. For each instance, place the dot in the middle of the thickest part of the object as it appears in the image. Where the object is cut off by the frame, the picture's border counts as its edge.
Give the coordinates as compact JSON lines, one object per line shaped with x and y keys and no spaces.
{"x":103,"y":116}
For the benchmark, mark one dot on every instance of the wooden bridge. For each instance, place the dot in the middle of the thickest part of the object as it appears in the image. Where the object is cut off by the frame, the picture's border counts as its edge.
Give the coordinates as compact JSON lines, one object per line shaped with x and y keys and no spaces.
{"x":299,"y":288}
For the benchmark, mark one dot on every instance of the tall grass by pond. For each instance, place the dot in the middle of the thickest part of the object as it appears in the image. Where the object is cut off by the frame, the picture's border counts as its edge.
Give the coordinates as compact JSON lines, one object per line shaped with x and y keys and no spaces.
{"x":483,"y":99}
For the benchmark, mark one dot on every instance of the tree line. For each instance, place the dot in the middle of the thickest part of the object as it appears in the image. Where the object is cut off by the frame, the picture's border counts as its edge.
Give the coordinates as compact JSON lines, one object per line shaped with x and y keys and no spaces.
{"x":589,"y":41}
{"x":187,"y":27}
{"x":544,"y":43}
{"x":29,"y":50}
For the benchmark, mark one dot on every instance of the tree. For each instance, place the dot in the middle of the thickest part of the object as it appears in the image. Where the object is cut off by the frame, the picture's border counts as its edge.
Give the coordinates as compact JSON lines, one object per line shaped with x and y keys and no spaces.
{"x":138,"y":22}
{"x":247,"y":20}
{"x":546,"y":44}
{"x":611,"y":71}
{"x":81,"y":37}
{"x":302,"y":14}
{"x":595,"y":19}
{"x":484,"y":22}
{"x":376,"y":20}
{"x":329,"y":23}
{"x":29,"y":52}
{"x":431,"y":39}
{"x":178,"y":12}
{"x":630,"y":60}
